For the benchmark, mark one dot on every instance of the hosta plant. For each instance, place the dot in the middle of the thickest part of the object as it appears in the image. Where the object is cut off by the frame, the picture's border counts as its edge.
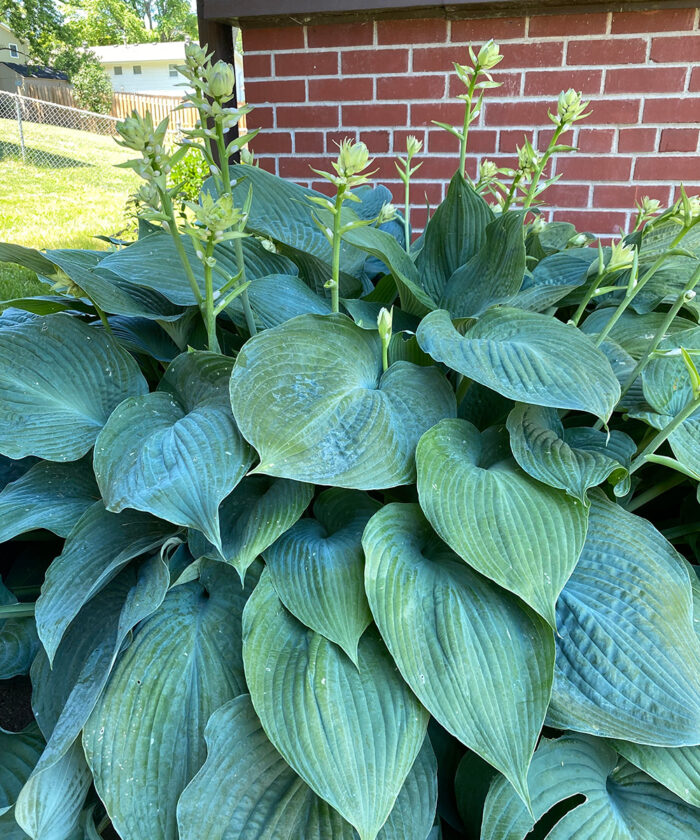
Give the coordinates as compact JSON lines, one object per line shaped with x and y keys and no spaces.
{"x":317,"y":529}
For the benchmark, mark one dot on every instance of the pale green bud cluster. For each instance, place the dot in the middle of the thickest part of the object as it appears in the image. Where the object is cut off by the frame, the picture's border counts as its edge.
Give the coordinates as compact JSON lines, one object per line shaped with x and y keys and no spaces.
{"x":570,"y":108}
{"x":386,"y":214}
{"x":413,"y":146}
{"x":489,"y":56}
{"x":353,"y":160}
{"x":138,"y":133}
{"x":621,"y":257}
{"x":488,"y":171}
{"x":529,"y":159}
{"x":213,"y":217}
{"x":221,"y":81}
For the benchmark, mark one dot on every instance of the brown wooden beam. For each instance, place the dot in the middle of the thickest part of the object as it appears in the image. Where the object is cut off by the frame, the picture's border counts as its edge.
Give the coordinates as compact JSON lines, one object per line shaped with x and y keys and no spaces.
{"x":281,"y":12}
{"x":217,"y":35}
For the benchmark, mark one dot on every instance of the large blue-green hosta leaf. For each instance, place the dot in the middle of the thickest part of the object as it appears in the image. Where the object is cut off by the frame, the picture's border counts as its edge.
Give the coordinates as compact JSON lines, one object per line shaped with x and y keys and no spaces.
{"x":153,"y":263}
{"x":19,"y":752}
{"x":351,"y":732}
{"x":318,"y":568}
{"x":276,"y":299}
{"x":175,"y":453}
{"x":145,"y":738}
{"x":258,"y":511}
{"x":573,"y":459}
{"x":50,"y":496}
{"x":516,"y":531}
{"x":246,"y":791}
{"x":494,"y":274}
{"x":668,"y":390}
{"x":454,"y":234}
{"x":110,"y":292}
{"x":527,"y":357}
{"x":64,"y":696}
{"x":311,"y":397}
{"x":677,"y":768}
{"x":628,"y":659}
{"x":98,"y":547}
{"x":478,"y":659}
{"x":59,"y":382}
{"x":621,"y":803}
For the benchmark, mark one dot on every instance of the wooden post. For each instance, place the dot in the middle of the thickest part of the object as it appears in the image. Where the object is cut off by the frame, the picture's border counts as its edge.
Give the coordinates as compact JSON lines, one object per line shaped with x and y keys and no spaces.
{"x":218,"y":36}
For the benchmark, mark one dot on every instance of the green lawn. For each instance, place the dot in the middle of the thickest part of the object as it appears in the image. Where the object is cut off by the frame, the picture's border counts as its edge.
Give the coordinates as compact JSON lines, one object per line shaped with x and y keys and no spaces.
{"x":66,"y":192}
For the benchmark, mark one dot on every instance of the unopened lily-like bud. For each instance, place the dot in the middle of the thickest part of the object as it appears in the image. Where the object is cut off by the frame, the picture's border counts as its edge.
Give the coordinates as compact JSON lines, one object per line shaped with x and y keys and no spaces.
{"x":570,"y":106}
{"x":214,"y":215}
{"x":489,"y":55}
{"x":621,"y":257}
{"x":386,"y":214}
{"x":221,"y":80}
{"x":413,"y":146}
{"x":136,"y":132}
{"x":247,"y":156}
{"x":580,"y":240}
{"x":528,"y":158}
{"x":649,"y":206}
{"x":538,"y":225}
{"x":195,"y":56}
{"x":384,"y":324}
{"x":694,"y":202}
{"x":352,"y":158}
{"x":487,"y":170}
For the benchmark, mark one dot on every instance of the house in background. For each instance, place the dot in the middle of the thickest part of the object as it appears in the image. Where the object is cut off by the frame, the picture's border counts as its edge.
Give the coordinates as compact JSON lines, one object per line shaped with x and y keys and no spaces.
{"x":16,"y":71}
{"x":149,"y":68}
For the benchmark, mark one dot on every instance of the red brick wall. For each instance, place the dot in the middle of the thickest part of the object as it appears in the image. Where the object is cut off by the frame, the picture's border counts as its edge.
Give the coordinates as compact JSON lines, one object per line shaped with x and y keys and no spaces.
{"x":379,"y":81}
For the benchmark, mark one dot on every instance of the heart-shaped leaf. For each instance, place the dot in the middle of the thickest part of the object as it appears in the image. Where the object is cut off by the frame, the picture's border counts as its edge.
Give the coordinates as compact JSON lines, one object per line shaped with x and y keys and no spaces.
{"x":573,"y":459}
{"x":50,"y":496}
{"x":145,"y":739}
{"x":520,"y":533}
{"x":99,"y":546}
{"x":630,"y":597}
{"x":351,"y":732}
{"x":455,"y":233}
{"x":621,"y":803}
{"x":250,"y":793}
{"x":59,"y":382}
{"x":318,"y":568}
{"x":478,"y":659}
{"x":494,"y":274}
{"x":527,"y":357}
{"x":258,"y":511}
{"x":311,"y":397}
{"x":175,"y":453}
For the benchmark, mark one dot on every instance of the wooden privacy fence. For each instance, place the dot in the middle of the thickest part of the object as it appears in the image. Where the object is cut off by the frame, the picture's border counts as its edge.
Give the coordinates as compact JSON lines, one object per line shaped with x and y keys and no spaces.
{"x":122,"y":103}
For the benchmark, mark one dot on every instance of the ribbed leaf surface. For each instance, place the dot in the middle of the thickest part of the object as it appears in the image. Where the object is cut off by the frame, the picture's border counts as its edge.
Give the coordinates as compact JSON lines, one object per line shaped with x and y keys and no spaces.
{"x":629,"y":597}
{"x":99,"y":546}
{"x":621,"y":803}
{"x":50,"y":496}
{"x":478,"y":659}
{"x":571,"y":459}
{"x":311,"y":397}
{"x":351,"y":733}
{"x":145,"y":739}
{"x":520,"y":533}
{"x":318,"y":568}
{"x":175,"y":453}
{"x":59,"y":382}
{"x":258,"y":511}
{"x":251,"y":793}
{"x":527,"y":357}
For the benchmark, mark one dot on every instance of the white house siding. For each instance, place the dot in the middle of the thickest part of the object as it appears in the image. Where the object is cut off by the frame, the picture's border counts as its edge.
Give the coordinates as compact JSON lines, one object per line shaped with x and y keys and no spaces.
{"x":154,"y":77}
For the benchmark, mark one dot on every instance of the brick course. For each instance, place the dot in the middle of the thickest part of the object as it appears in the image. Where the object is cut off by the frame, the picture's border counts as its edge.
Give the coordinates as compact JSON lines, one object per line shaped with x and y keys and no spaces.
{"x":380,"y":81}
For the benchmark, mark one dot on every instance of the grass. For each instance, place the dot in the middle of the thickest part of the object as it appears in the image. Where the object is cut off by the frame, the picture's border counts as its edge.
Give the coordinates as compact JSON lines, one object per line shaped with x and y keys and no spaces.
{"x":67,"y":192}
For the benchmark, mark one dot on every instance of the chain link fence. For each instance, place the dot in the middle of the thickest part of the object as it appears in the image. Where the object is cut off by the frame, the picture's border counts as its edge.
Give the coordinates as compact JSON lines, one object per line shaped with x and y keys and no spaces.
{"x":44,"y":134}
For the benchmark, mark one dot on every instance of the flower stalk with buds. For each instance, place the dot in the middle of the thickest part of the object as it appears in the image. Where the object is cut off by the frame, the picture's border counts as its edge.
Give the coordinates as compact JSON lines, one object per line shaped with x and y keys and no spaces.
{"x":405,"y":170}
{"x":385,"y":326}
{"x":471,"y":76}
{"x":350,"y":167}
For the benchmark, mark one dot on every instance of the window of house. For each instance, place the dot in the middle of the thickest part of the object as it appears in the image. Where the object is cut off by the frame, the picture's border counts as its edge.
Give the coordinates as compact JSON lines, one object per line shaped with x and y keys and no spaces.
{"x":172,"y":71}
{"x":14,"y":52}
{"x":136,"y":69}
{"x":117,"y":70}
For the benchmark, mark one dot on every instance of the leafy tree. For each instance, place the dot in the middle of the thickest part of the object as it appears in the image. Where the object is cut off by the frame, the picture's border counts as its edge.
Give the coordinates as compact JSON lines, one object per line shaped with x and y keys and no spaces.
{"x":38,"y":22}
{"x":112,"y":22}
{"x":92,"y":88}
{"x":175,"y":20}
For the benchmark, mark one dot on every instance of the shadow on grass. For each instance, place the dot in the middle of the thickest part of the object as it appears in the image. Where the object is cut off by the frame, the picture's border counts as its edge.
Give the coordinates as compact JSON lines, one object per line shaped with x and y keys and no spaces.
{"x":38,"y":157}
